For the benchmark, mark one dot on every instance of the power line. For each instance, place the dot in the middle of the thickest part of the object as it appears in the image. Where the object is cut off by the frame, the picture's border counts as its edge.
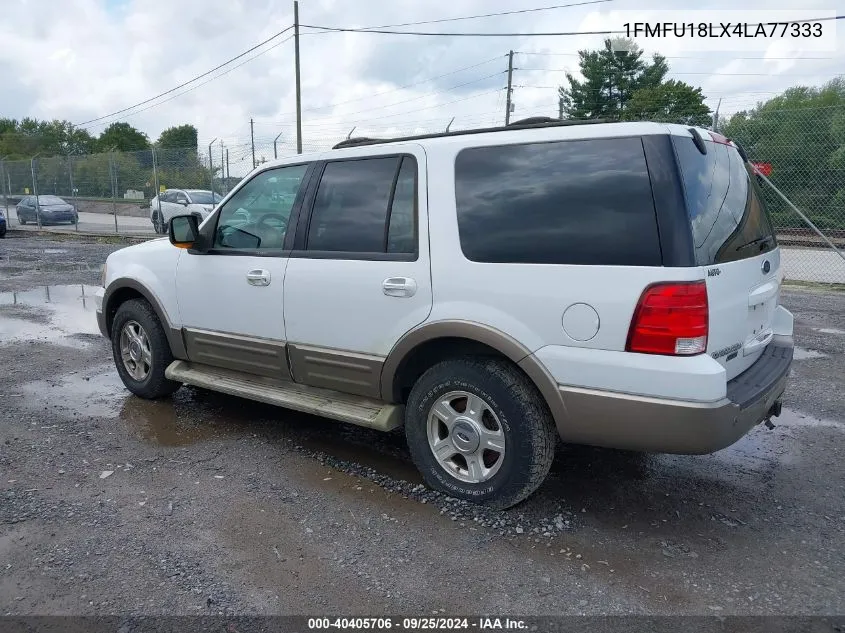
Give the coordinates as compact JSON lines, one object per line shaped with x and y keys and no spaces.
{"x":207,"y":81}
{"x":384,"y":92}
{"x":190,"y":81}
{"x":487,"y":15}
{"x":334,"y":29}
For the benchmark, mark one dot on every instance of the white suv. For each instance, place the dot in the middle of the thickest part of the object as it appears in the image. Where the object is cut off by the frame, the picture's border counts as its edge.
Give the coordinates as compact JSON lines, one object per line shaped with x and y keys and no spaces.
{"x":611,"y":284}
{"x":163,"y":207}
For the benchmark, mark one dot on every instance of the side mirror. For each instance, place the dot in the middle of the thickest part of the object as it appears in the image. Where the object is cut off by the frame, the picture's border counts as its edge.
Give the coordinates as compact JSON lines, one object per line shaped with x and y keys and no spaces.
{"x":184,"y":230}
{"x":184,"y":203}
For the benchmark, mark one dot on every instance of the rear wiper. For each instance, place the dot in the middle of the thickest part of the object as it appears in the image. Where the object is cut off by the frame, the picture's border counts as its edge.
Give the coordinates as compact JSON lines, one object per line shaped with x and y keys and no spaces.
{"x":764,"y":242}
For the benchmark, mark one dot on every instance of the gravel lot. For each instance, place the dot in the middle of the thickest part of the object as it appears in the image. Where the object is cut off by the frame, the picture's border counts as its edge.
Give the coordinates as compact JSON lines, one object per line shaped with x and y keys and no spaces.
{"x":206,"y":504}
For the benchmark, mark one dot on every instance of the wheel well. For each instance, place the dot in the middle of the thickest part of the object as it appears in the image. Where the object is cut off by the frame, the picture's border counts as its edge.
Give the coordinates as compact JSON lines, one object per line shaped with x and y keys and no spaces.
{"x":118,"y":298}
{"x":428,"y":354}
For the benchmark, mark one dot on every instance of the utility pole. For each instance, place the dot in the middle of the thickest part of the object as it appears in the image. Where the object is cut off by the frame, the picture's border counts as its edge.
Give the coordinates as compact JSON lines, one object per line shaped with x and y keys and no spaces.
{"x":228,"y":173}
{"x":252,"y":138}
{"x":716,"y":117}
{"x":222,"y":175}
{"x":211,"y":167}
{"x":275,"y":153}
{"x":510,"y":89}
{"x":298,"y":89}
{"x":560,"y":108}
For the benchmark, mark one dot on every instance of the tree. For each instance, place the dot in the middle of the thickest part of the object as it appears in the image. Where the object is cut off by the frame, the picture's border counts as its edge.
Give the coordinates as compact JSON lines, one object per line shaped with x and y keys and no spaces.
{"x":180,"y":136}
{"x":27,"y":137}
{"x":122,"y":137}
{"x":801,"y":133}
{"x":671,"y":101}
{"x":611,"y":77}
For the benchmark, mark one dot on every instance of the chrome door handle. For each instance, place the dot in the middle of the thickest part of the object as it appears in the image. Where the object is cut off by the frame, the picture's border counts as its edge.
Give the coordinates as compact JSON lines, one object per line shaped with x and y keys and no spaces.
{"x":399,"y":287}
{"x":258,"y":277}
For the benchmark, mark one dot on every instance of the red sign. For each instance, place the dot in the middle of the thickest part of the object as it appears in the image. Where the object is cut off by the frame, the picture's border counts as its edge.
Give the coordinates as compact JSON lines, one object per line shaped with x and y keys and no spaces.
{"x":763,"y":168}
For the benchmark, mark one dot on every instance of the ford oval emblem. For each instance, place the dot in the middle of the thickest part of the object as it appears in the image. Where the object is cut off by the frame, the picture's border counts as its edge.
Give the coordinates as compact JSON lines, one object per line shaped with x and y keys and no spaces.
{"x":766,"y":267}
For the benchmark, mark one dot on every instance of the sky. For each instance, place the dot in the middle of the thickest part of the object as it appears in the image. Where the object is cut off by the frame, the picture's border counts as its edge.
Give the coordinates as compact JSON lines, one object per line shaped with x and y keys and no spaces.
{"x":82,"y":59}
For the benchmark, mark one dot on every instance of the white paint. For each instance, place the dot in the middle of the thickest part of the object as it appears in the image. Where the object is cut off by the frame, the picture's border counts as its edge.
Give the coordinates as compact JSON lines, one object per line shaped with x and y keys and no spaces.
{"x":581,"y":322}
{"x":829,"y":330}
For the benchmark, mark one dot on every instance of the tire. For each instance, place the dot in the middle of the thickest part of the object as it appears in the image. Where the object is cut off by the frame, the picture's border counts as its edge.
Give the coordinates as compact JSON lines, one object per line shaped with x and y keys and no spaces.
{"x":150,"y":384}
{"x":2,"y":234}
{"x":21,"y":221}
{"x":158,"y":225}
{"x":510,"y":402}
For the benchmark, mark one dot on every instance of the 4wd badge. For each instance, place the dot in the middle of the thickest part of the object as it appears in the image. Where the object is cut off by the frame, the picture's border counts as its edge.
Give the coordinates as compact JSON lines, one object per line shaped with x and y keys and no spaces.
{"x":713,"y":272}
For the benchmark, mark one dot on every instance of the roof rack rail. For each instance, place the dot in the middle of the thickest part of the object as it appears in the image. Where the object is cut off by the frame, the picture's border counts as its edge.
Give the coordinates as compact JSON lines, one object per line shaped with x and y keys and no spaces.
{"x":359,"y":140}
{"x":530,"y":123}
{"x":534,"y":120}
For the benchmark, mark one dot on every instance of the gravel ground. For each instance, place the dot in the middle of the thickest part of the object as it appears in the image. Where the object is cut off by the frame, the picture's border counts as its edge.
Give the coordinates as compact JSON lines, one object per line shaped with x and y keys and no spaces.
{"x":206,"y":504}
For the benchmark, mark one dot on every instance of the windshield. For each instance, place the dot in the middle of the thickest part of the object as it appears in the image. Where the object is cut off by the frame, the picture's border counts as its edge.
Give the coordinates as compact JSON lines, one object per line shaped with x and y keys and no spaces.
{"x":728,"y":218}
{"x":48,"y":200}
{"x":203,"y":197}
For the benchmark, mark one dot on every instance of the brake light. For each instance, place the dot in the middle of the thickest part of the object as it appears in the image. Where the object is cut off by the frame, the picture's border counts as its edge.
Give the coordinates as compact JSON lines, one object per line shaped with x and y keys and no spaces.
{"x":719,"y":138}
{"x":671,"y":319}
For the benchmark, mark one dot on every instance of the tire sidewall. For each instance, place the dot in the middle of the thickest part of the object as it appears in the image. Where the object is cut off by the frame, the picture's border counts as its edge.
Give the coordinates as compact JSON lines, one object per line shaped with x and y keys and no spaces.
{"x":503,"y":484}
{"x":131,"y":312}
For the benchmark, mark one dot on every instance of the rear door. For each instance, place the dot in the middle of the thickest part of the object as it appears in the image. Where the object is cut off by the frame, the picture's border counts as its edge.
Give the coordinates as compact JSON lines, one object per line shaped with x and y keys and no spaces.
{"x":359,"y":276}
{"x":735,"y":243}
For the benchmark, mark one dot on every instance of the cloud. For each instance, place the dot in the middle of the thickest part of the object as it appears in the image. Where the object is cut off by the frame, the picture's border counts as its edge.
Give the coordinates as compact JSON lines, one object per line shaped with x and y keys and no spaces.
{"x":105,"y":55}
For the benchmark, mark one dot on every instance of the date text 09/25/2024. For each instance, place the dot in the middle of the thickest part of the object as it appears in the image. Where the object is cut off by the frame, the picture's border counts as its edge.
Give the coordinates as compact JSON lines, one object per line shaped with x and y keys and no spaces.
{"x":417,"y":624}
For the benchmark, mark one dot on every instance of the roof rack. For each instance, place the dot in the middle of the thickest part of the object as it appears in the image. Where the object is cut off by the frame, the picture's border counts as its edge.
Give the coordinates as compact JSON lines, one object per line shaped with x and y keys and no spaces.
{"x":530,"y":123}
{"x":357,"y":140}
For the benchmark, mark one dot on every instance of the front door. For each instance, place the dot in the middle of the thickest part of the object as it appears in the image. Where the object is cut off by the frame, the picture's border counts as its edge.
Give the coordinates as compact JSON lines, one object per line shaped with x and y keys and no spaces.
{"x":231,"y":297}
{"x":359,"y":278}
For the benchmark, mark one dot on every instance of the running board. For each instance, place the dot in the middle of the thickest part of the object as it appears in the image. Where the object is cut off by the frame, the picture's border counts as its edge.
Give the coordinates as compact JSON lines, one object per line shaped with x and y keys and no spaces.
{"x":290,"y":395}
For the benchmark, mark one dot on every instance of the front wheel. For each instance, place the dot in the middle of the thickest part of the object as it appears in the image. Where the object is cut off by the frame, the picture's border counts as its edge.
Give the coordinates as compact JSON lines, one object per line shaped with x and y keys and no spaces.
{"x":479,"y":430}
{"x":141,"y":351}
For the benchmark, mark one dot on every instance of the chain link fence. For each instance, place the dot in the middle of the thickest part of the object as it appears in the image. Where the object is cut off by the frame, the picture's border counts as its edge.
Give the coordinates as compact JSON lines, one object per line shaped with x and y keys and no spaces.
{"x":802,"y":152}
{"x":102,"y":193}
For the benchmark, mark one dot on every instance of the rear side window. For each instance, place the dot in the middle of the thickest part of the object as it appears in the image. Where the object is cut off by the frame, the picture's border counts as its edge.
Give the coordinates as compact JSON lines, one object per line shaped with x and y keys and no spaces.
{"x":365,"y":206}
{"x":728,"y":218}
{"x":569,"y":202}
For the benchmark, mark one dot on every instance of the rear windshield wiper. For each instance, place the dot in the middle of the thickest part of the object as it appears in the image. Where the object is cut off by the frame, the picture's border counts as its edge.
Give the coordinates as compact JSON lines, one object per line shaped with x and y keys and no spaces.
{"x":767,"y":241}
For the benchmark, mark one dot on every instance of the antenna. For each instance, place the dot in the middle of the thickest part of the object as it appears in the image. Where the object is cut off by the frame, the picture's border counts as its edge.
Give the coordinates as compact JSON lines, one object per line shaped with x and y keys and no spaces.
{"x":349,"y":136}
{"x":450,"y":124}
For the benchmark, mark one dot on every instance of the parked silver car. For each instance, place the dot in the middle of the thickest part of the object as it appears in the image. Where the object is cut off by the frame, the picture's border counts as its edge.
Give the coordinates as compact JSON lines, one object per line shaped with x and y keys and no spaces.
{"x":52,"y":209}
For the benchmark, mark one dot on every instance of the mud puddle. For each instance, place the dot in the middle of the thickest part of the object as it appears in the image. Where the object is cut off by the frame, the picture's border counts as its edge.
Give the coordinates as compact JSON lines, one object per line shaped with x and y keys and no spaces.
{"x":802,"y":353}
{"x":64,"y":315}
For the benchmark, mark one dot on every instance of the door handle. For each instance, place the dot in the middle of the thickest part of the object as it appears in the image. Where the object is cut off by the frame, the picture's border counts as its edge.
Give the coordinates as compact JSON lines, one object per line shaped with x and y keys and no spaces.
{"x":399,"y":287}
{"x":258,"y":277}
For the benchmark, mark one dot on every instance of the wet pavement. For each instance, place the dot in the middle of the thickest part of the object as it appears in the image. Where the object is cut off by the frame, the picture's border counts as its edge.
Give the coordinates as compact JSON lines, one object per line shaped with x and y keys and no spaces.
{"x":205,"y":503}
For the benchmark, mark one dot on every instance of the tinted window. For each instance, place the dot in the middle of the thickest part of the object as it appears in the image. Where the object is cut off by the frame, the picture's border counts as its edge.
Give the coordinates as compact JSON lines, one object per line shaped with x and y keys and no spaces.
{"x":727,"y":215}
{"x":570,"y":202}
{"x":257,"y":215}
{"x":168,"y":196}
{"x":401,"y":235}
{"x":350,"y":210}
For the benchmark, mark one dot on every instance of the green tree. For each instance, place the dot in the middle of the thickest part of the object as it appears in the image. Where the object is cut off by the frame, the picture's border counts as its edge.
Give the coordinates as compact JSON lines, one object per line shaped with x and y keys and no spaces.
{"x":801,"y":133}
{"x":671,"y":102}
{"x":122,"y":137}
{"x":25,"y":138}
{"x":180,"y":136}
{"x":612,"y":75}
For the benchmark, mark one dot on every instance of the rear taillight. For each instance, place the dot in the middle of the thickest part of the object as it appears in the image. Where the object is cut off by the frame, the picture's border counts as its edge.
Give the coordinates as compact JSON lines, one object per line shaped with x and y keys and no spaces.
{"x":671,"y":318}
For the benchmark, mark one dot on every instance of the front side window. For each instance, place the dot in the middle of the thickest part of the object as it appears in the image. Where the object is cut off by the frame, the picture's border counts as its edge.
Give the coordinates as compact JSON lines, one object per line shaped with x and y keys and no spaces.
{"x":257,"y":215}
{"x":353,"y":202}
{"x":181,"y":198}
{"x":565,"y":202}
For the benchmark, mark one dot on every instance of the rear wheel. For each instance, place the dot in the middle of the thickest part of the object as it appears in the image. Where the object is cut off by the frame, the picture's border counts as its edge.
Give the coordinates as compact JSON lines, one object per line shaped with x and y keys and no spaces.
{"x":479,"y":430}
{"x":141,"y":351}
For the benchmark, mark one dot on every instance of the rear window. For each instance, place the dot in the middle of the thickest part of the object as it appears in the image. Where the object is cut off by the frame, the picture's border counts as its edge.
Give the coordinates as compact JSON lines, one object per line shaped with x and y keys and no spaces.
{"x":728,"y":218}
{"x":568,"y":202}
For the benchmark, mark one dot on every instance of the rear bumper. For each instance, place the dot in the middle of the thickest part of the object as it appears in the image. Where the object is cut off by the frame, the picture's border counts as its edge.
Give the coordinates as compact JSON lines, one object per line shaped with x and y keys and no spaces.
{"x":658,"y":425}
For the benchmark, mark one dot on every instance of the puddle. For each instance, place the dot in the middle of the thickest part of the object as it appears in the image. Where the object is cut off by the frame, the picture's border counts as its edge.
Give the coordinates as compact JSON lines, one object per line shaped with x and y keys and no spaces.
{"x":54,"y":314}
{"x":807,"y":354}
{"x":101,"y":394}
{"x":829,"y":330}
